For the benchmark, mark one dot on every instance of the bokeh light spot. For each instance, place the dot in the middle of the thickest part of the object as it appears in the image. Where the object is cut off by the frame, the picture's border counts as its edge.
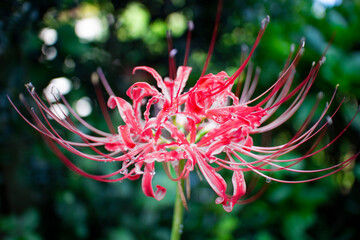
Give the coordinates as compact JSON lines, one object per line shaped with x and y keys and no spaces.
{"x":134,"y":22}
{"x":49,"y":36}
{"x":57,"y":86}
{"x":177,"y":23}
{"x":89,"y":29}
{"x":83,"y":107}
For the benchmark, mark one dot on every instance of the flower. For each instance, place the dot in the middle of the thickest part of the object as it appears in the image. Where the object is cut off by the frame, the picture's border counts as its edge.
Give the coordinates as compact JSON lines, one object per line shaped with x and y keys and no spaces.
{"x":208,"y":127}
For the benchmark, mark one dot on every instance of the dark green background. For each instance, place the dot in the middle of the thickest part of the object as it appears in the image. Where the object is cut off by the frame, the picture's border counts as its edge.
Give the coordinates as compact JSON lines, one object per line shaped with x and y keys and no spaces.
{"x":42,"y":199}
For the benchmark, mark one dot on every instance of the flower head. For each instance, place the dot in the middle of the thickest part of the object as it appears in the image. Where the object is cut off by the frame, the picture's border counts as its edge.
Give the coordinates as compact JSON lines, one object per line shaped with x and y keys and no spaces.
{"x":208,"y":127}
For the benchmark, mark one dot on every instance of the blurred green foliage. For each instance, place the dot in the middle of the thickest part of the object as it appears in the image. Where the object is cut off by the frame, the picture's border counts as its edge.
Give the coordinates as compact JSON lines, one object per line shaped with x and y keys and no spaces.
{"x":41,"y":199}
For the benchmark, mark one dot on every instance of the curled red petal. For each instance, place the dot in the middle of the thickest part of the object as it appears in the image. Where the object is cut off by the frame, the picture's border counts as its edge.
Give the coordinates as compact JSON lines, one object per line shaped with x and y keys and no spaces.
{"x":146,"y":183}
{"x":126,"y":112}
{"x":158,"y":78}
{"x":182,"y":76}
{"x":125,"y":134}
{"x":216,"y":182}
{"x":239,"y":186}
{"x":140,"y":90}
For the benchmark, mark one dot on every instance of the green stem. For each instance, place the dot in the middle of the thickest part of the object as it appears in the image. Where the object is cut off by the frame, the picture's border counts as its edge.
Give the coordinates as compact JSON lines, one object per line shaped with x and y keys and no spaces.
{"x":177,"y":226}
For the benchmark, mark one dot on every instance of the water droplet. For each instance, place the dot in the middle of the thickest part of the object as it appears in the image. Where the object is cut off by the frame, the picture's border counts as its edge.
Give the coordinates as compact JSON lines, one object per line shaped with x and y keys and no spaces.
{"x":268,"y":180}
{"x":181,"y":228}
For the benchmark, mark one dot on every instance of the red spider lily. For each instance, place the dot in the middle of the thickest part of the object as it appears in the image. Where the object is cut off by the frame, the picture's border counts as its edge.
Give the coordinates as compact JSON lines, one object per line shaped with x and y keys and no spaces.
{"x":190,"y":129}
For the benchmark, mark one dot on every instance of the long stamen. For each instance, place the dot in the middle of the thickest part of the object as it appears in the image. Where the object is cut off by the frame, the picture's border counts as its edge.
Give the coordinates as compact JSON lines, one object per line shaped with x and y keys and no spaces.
{"x":172,"y":64}
{"x":188,"y":41}
{"x":244,"y":52}
{"x":213,"y":37}
{"x":100,"y":97}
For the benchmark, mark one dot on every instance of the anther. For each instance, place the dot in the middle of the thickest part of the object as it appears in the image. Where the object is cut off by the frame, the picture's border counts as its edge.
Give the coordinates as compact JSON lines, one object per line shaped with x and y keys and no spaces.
{"x":94,"y":78}
{"x":329,"y":120}
{"x":30,"y":87}
{"x":191,"y":25}
{"x":322,"y":60}
{"x":292,"y":48}
{"x":265,"y":21}
{"x":172,"y":53}
{"x":302,"y":40}
{"x":244,"y":48}
{"x":320,"y":95}
{"x":21,"y":97}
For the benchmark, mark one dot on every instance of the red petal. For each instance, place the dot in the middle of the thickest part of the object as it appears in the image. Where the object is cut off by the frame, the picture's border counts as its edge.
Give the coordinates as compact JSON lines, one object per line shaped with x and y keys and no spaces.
{"x":239,"y":186}
{"x":158,"y":78}
{"x":126,"y":112}
{"x":114,"y":146}
{"x":146,"y":183}
{"x":216,"y":182}
{"x":182,"y":76}
{"x":125,"y":134}
{"x":140,"y":90}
